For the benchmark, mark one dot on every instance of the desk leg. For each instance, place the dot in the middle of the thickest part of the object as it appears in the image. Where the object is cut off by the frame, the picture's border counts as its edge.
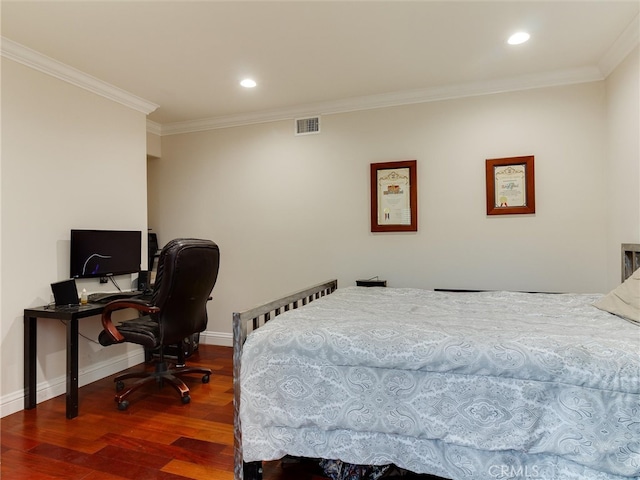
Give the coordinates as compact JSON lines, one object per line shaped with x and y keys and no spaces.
{"x":72,"y":368}
{"x":30,"y":337}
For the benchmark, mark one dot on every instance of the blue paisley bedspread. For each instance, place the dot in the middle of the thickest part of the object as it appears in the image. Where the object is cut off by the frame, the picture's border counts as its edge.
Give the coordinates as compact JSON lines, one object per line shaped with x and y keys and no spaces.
{"x":482,"y":386}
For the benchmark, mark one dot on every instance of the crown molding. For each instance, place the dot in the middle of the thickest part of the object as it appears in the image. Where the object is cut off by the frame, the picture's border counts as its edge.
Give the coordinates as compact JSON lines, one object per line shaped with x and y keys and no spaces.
{"x":622,"y":47}
{"x":565,"y":77}
{"x":154,"y":127}
{"x":30,"y":58}
{"x":624,"y":44}
{"x":627,"y":41}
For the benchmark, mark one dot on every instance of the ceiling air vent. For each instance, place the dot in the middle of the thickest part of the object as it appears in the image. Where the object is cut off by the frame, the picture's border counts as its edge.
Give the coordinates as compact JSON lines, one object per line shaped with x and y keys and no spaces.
{"x":307,"y":126}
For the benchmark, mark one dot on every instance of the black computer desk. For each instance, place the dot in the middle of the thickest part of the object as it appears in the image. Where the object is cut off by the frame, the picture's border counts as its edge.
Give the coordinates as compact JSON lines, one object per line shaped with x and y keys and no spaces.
{"x":69,"y":315}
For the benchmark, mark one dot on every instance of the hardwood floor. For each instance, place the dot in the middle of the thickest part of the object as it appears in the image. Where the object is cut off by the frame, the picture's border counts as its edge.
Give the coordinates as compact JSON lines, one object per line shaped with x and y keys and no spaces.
{"x":157,"y":438}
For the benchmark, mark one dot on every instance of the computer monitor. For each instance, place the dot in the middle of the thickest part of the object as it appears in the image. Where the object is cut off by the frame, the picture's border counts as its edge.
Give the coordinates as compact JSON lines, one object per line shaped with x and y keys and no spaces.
{"x":102,"y":253}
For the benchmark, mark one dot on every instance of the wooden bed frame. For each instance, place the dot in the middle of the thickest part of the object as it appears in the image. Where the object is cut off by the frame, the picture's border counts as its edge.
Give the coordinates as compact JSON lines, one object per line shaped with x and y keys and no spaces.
{"x":243,"y":324}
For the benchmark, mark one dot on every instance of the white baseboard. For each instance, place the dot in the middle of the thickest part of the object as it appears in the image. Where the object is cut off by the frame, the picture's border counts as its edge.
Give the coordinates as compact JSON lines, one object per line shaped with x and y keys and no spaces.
{"x":48,"y":389}
{"x":216,"y":338}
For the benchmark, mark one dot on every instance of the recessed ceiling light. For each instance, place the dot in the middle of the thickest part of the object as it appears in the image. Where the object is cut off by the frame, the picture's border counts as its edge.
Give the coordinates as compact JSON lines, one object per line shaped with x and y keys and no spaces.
{"x":248,"y":83}
{"x":518,"y":38}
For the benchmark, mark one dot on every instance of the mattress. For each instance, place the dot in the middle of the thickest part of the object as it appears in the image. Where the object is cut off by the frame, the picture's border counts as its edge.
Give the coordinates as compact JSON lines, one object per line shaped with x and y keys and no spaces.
{"x":462,"y":385}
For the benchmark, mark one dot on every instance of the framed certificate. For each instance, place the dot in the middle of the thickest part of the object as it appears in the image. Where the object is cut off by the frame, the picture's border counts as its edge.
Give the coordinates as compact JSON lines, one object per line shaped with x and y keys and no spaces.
{"x":510,"y":186}
{"x":394,"y":197}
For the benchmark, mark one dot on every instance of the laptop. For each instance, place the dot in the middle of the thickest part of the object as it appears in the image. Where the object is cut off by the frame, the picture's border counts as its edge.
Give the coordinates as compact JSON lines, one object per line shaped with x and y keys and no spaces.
{"x":65,"y":293}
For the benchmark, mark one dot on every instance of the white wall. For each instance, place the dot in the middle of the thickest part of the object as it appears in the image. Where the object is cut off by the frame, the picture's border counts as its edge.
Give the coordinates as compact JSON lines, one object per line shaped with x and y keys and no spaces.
{"x":70,"y":159}
{"x":623,"y":160}
{"x":154,"y":145}
{"x":291,"y":211}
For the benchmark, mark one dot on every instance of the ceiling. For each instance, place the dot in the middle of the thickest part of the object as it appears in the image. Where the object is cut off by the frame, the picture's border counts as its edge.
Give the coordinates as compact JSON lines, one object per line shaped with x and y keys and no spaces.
{"x":188,"y":57}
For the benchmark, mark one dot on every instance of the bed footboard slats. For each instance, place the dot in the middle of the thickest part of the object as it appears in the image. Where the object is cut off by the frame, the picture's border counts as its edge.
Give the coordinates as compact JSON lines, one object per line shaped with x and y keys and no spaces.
{"x":243,"y":324}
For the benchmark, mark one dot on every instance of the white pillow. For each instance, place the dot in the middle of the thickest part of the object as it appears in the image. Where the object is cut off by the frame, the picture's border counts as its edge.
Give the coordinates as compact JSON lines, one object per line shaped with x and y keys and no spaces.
{"x":624,"y":300}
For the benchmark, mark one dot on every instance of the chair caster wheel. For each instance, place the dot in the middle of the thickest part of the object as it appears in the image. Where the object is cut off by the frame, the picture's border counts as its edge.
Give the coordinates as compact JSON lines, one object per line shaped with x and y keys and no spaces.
{"x":123,"y":405}
{"x":119,"y":386}
{"x":186,"y":399}
{"x":205,"y":379}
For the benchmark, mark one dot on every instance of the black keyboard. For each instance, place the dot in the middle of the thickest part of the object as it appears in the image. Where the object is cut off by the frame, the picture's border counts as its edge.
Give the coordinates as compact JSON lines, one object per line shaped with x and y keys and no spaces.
{"x":106,"y":297}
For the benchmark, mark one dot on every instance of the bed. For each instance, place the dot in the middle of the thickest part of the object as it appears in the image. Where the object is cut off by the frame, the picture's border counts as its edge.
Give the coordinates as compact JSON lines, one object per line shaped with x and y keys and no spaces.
{"x":473,"y":385}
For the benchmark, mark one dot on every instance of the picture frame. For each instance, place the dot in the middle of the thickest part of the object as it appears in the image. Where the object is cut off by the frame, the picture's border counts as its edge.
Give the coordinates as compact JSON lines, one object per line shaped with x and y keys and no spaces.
{"x":394,"y":196}
{"x":510,"y":186}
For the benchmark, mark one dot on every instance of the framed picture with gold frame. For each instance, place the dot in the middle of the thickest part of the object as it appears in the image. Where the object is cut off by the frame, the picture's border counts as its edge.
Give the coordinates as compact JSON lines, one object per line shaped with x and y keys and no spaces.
{"x":510,"y":186}
{"x":394,"y":197}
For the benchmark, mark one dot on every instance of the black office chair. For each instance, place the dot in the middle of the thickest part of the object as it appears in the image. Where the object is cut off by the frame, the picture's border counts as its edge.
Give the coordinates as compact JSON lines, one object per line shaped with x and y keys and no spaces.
{"x":187,"y":272}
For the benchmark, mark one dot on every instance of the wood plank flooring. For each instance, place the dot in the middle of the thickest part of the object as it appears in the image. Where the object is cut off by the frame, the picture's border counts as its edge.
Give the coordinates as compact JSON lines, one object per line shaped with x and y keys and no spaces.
{"x":157,"y":438}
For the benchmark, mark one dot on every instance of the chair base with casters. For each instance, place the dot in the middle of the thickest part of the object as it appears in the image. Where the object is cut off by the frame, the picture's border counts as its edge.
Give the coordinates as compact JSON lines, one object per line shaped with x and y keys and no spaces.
{"x":161,"y":375}
{"x":146,"y":332}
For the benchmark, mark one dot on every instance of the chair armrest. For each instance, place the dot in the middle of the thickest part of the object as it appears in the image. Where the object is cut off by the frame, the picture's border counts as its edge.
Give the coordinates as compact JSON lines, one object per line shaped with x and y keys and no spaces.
{"x":110,"y":307}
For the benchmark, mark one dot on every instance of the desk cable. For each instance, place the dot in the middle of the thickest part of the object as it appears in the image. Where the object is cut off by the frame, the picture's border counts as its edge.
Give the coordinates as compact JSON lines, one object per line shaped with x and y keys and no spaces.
{"x":115,"y":283}
{"x":80,"y":334}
